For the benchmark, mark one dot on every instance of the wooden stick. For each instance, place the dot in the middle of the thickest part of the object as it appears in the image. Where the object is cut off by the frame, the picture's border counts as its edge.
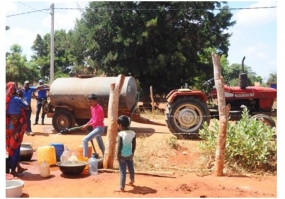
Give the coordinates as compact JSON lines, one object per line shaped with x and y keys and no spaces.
{"x":152,"y":173}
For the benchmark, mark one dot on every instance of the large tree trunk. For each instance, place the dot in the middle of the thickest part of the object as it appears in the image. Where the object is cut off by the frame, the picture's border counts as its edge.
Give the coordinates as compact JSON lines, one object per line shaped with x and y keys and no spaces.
{"x":223,"y":116}
{"x":115,"y":90}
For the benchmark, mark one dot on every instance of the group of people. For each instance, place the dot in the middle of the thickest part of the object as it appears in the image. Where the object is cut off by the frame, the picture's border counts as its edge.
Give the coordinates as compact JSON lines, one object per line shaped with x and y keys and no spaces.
{"x":18,"y":121}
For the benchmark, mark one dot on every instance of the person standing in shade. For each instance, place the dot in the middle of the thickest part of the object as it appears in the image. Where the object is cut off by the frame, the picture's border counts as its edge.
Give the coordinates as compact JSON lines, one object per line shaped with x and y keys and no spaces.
{"x":41,"y":100}
{"x":126,"y":146}
{"x":96,"y":123}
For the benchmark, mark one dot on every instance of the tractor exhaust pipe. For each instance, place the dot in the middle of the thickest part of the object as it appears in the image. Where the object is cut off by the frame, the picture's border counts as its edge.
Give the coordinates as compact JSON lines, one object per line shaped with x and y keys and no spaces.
{"x":243,"y":76}
{"x":242,"y":64}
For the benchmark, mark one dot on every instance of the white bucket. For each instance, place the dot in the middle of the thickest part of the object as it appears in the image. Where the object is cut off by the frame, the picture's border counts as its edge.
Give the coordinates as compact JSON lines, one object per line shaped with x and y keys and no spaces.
{"x":14,"y":188}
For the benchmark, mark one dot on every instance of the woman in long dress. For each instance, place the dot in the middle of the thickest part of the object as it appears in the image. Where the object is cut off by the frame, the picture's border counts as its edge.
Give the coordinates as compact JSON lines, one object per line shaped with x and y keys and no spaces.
{"x":16,"y":125}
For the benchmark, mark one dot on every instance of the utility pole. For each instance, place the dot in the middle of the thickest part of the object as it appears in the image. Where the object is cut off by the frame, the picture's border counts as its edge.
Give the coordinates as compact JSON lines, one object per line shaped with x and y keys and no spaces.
{"x":52,"y":46}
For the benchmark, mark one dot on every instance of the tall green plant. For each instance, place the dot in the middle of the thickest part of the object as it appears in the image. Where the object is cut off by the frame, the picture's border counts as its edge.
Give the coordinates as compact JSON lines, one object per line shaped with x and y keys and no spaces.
{"x":249,"y":142}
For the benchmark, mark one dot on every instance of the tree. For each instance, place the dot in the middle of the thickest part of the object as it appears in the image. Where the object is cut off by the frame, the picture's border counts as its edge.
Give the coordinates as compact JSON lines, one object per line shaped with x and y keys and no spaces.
{"x":63,"y":59}
{"x":159,"y":43}
{"x":18,"y":69}
{"x":232,"y":73}
{"x":272,"y":78}
{"x":41,"y":54}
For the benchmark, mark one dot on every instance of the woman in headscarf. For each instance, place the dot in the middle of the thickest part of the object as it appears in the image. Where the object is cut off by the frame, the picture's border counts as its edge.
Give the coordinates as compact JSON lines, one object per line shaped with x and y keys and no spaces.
{"x":16,"y":125}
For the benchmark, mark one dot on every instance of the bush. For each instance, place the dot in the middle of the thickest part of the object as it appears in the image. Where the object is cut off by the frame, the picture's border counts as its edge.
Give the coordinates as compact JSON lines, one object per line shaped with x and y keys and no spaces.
{"x":249,"y":144}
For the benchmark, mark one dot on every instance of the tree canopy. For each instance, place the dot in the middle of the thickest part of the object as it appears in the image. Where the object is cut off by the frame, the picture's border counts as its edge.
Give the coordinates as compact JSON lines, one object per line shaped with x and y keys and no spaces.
{"x":231,"y":75}
{"x":162,"y":44}
{"x":17,"y":67}
{"x":159,"y":43}
{"x":272,"y":78}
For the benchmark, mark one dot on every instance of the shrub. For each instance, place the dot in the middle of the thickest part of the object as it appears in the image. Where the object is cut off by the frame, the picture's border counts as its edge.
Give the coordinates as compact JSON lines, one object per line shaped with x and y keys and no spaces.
{"x":249,"y":143}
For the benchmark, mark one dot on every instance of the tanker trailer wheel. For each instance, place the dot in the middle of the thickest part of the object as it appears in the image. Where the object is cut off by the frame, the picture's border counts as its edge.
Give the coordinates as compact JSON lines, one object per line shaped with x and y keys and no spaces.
{"x":186,"y":115}
{"x":265,"y":119}
{"x":63,"y":119}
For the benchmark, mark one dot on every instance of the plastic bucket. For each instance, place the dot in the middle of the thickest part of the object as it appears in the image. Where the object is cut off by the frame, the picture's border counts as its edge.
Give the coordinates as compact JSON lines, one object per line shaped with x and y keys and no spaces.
{"x":80,"y":151}
{"x":14,"y":188}
{"x":84,"y":159}
{"x":59,"y":148}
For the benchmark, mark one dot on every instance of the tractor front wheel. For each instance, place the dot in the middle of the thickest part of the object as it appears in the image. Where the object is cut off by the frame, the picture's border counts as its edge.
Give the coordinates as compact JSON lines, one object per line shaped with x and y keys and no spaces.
{"x":265,"y":119}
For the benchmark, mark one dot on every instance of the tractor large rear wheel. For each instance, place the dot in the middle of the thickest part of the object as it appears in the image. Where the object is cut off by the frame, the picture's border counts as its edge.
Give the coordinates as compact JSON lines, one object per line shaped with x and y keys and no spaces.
{"x":186,"y":115}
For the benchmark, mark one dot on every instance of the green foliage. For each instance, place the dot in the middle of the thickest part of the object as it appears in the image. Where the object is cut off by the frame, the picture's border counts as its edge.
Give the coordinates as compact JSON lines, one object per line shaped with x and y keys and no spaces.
{"x":18,"y":69}
{"x":231,"y":74}
{"x":63,"y":59}
{"x":153,"y":40}
{"x":41,"y":56}
{"x":59,"y":74}
{"x":249,"y":143}
{"x":272,"y":78}
{"x":162,"y":44}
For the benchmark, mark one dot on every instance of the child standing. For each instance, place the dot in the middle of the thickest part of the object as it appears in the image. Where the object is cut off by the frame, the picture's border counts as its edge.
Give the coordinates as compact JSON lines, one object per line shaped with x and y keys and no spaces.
{"x":126,"y":146}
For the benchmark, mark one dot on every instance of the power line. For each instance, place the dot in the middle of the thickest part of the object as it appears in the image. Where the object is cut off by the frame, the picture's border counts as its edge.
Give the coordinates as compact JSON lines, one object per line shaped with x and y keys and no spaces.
{"x":155,"y":9}
{"x":255,"y":8}
{"x":252,"y":8}
{"x":26,"y":12}
{"x":29,"y":6}
{"x":33,"y":8}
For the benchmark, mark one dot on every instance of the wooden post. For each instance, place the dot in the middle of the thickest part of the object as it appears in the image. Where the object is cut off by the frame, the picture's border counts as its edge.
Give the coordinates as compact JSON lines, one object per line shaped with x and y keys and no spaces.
{"x":152,"y":101}
{"x":223,"y":116}
{"x":110,"y":148}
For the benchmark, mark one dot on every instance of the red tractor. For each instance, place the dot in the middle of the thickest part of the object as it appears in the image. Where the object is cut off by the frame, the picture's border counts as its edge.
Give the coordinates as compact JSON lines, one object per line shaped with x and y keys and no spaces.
{"x":187,"y":110}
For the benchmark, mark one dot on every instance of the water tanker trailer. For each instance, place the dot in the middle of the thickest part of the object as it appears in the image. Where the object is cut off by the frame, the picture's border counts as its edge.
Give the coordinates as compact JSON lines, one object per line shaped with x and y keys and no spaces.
{"x":69,"y":106}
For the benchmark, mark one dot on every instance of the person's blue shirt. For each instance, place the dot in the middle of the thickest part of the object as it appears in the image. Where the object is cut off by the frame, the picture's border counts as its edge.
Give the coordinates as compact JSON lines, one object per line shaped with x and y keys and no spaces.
{"x":42,"y":93}
{"x":15,"y":105}
{"x":27,"y":94}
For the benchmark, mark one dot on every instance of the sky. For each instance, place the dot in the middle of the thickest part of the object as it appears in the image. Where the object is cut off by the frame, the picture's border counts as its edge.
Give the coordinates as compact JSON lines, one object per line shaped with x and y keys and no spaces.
{"x":254,"y":35}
